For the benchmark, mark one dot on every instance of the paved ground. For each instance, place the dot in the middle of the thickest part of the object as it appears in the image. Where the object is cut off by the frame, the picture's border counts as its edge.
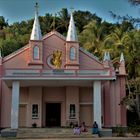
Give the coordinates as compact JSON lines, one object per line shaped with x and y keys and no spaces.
{"x":94,"y":139}
{"x":110,"y":138}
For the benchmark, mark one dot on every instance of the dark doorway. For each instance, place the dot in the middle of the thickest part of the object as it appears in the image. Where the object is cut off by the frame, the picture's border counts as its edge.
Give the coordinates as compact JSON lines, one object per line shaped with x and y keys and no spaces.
{"x":53,"y":114}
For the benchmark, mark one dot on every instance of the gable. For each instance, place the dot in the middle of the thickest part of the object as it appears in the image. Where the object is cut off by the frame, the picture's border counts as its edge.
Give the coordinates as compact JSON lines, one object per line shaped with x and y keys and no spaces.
{"x":50,"y":44}
{"x":17,"y":59}
{"x":88,"y":61}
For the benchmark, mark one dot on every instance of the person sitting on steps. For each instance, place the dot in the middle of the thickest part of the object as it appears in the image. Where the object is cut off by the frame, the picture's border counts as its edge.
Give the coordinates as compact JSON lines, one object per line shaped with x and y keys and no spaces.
{"x":95,"y":128}
{"x":83,"y":127}
{"x":77,"y":130}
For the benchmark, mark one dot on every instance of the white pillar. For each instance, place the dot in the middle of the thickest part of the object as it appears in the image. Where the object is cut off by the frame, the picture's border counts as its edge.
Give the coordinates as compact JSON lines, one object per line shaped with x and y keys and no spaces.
{"x":15,"y":105}
{"x":97,"y":103}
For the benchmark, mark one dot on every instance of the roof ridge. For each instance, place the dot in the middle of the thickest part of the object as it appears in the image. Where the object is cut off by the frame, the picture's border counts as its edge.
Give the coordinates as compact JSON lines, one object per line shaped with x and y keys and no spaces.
{"x":54,"y":32}
{"x":90,"y":54}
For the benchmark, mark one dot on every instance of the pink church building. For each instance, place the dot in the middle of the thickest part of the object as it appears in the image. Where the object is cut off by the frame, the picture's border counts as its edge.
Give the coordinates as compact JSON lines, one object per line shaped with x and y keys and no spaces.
{"x":33,"y":90}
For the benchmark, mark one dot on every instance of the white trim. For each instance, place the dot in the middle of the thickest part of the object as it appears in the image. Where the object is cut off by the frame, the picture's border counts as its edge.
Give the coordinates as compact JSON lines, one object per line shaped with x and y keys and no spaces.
{"x":97,"y":103}
{"x":58,"y":78}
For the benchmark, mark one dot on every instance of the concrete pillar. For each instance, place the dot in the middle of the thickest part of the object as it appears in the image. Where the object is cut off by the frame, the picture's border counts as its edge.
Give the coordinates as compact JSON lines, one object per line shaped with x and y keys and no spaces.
{"x":15,"y":105}
{"x":97,"y":103}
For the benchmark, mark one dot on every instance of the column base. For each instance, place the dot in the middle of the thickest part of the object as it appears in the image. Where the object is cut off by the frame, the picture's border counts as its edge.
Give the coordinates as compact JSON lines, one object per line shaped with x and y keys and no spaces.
{"x":105,"y":133}
{"x":9,"y":132}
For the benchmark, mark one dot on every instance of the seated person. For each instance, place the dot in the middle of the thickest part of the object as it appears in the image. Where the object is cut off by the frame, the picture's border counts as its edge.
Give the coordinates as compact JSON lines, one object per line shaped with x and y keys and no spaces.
{"x":95,"y":128}
{"x":76,"y":130}
{"x":83,"y":127}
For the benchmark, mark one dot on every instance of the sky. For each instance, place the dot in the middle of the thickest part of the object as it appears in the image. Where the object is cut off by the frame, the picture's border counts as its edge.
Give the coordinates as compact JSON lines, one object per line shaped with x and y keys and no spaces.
{"x":18,"y":10}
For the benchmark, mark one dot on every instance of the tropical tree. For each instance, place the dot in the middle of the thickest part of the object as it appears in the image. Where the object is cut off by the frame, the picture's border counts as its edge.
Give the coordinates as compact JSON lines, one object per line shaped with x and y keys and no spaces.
{"x":3,"y":22}
{"x":118,"y":41}
{"x":91,"y":38}
{"x":82,"y":18}
{"x":63,"y":20}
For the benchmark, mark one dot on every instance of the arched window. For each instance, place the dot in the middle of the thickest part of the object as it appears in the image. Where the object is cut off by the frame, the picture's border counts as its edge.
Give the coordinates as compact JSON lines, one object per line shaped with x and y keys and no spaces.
{"x":72,"y":53}
{"x":36,"y":52}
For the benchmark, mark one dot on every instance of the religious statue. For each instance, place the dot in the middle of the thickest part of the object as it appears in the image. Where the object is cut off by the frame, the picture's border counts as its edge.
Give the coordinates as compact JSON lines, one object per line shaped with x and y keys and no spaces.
{"x":57,"y":60}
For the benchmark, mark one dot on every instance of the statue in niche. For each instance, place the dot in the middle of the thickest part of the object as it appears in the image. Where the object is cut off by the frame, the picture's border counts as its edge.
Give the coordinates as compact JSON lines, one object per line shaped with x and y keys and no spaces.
{"x":57,"y":60}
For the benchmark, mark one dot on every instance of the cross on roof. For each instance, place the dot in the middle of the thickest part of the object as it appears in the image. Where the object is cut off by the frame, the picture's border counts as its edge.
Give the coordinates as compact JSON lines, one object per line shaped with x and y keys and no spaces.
{"x":36,"y":7}
{"x":72,"y":9}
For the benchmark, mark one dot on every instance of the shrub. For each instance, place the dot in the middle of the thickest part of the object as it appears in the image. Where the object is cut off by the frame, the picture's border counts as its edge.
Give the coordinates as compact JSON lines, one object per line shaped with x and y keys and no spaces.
{"x":135,"y":129}
{"x":120,"y":131}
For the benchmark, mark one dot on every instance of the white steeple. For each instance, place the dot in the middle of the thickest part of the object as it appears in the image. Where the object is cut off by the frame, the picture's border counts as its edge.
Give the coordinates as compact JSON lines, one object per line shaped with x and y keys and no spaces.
{"x":106,"y":56}
{"x":72,"y":34}
{"x":121,"y":58}
{"x":36,"y":32}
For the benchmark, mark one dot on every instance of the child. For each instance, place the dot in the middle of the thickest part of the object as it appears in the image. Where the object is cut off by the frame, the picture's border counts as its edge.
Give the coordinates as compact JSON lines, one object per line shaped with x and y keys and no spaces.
{"x":77,"y":130}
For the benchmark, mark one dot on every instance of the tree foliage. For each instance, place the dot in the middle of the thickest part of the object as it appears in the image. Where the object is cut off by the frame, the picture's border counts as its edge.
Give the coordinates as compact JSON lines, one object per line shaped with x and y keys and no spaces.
{"x":135,"y":2}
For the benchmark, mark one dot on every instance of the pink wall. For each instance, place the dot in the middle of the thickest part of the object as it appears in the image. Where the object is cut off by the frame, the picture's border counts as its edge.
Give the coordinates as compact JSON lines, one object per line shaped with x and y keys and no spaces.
{"x":72,"y":97}
{"x":86,"y":62}
{"x":6,"y":106}
{"x":51,"y":44}
{"x":18,"y":61}
{"x":85,"y":95}
{"x":35,"y":97}
{"x":106,"y":104}
{"x":86,"y":105}
{"x":117,"y":92}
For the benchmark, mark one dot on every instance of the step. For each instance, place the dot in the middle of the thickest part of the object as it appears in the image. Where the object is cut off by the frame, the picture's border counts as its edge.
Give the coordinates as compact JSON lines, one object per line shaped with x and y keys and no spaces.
{"x":51,"y":133}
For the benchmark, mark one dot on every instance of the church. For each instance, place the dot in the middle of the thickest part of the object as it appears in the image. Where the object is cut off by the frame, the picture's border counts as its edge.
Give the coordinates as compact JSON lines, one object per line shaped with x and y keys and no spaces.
{"x":53,"y":82}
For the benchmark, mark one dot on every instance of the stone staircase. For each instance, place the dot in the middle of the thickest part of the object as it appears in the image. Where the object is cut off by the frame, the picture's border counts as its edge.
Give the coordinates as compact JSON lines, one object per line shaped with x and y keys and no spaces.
{"x":35,"y":133}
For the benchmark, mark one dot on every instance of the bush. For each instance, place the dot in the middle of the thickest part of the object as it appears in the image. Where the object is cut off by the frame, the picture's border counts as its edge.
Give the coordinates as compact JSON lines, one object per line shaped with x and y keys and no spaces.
{"x":120,"y":131}
{"x":134,"y":129}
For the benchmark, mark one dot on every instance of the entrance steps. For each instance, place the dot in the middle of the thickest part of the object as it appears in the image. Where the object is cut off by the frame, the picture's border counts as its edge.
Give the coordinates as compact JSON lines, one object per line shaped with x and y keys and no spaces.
{"x":35,"y":133}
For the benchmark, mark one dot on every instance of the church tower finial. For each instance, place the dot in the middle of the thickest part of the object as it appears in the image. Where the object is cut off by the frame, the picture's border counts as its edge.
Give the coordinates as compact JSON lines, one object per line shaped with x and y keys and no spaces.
{"x":36,"y":31}
{"x":72,"y":34}
{"x":122,"y":57}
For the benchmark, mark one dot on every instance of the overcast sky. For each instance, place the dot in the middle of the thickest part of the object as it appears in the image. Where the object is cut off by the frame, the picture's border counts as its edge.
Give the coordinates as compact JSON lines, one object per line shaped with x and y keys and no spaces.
{"x":17,"y":10}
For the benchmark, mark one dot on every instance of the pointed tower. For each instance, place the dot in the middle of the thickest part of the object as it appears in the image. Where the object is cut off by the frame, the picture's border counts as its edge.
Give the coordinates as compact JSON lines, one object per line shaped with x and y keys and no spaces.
{"x":72,"y":46}
{"x":106,"y":59}
{"x":122,"y":70}
{"x":36,"y":46}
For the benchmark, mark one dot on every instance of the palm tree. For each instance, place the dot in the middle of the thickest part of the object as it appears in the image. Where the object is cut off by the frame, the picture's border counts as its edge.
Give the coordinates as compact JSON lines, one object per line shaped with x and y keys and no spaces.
{"x":63,"y":20}
{"x":92,"y":37}
{"x":118,"y":41}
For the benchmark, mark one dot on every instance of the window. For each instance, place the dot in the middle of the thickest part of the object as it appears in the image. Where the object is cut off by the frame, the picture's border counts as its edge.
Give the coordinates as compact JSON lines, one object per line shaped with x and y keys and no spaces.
{"x":35,"y":111}
{"x":72,"y":53}
{"x":72,"y":111}
{"x":36,"y":52}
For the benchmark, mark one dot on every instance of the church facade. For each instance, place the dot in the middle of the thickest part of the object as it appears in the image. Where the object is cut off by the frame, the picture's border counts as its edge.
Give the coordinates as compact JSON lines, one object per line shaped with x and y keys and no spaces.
{"x":52,"y":81}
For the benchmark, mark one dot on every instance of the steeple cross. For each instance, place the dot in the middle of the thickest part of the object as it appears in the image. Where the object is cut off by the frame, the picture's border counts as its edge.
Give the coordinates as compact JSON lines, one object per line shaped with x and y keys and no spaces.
{"x":36,"y":7}
{"x":72,"y":9}
{"x":53,"y":24}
